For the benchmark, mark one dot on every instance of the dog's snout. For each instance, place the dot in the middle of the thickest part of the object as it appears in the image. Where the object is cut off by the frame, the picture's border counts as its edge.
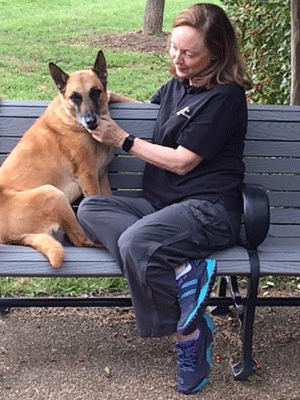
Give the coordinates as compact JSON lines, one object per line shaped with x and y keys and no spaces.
{"x":91,"y":121}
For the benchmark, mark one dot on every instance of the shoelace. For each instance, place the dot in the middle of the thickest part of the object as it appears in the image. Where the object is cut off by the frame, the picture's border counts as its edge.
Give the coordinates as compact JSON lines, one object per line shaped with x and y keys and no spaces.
{"x":187,"y":357}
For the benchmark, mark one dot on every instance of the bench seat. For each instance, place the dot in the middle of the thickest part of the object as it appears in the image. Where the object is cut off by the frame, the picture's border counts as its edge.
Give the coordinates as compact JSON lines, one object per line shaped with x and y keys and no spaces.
{"x":277,"y":256}
{"x":91,"y":262}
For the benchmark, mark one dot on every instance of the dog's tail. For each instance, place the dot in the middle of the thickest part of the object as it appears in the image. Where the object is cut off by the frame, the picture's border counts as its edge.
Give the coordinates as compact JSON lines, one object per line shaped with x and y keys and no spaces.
{"x":46,"y":245}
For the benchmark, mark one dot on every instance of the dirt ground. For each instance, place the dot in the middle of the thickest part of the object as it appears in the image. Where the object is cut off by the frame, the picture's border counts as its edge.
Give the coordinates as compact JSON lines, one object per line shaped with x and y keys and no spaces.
{"x":95,"y":354}
{"x":135,"y":41}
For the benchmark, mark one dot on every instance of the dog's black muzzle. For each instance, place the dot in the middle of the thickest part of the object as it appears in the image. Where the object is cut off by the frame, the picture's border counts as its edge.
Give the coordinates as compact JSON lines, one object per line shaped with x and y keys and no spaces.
{"x":91,"y":122}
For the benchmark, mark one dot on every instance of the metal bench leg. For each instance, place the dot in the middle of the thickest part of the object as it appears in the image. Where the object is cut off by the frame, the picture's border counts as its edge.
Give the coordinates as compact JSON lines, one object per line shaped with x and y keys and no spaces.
{"x":246,"y":366}
{"x":222,"y":309}
{"x":238,"y":308}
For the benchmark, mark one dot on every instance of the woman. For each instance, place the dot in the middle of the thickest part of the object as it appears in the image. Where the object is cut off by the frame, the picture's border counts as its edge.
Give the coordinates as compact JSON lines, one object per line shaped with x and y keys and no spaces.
{"x":191,"y":204}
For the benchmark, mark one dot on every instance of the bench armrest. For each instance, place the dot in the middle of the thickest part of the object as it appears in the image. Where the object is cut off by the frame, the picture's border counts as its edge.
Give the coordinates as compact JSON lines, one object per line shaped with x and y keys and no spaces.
{"x":256,"y":214}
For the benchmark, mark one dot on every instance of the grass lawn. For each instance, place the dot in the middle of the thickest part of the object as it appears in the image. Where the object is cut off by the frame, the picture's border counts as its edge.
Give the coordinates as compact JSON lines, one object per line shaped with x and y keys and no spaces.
{"x":35,"y":32}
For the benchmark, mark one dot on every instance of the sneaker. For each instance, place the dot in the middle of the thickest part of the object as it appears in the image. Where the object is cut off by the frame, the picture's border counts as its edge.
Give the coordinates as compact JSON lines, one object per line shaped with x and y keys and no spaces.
{"x":194,"y":358}
{"x":193,"y":290}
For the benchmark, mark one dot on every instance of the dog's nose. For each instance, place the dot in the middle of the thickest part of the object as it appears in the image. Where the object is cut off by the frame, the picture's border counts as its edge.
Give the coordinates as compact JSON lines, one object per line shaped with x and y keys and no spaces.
{"x":92,"y":122}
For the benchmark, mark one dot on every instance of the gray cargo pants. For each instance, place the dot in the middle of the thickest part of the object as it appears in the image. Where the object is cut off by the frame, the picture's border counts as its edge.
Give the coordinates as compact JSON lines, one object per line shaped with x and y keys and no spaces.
{"x":150,"y":244}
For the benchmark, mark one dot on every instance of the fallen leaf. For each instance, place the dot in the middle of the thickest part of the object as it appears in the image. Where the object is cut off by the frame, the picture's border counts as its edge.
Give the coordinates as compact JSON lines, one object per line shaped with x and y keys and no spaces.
{"x":107,"y":372}
{"x":254,"y":378}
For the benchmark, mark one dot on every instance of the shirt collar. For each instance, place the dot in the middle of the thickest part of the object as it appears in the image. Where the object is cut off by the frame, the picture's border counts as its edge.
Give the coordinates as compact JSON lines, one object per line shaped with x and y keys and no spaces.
{"x":191,"y":89}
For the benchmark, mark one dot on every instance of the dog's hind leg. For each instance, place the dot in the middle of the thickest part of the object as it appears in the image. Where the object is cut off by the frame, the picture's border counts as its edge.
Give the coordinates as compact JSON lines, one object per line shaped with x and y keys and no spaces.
{"x":59,"y":212}
{"x":46,"y":245}
{"x":33,"y":214}
{"x":75,"y":233}
{"x":39,"y":211}
{"x":66,"y":219}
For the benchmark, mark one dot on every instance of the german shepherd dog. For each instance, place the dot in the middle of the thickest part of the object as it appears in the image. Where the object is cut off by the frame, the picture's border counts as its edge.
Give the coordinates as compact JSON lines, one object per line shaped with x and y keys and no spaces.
{"x":55,"y":162}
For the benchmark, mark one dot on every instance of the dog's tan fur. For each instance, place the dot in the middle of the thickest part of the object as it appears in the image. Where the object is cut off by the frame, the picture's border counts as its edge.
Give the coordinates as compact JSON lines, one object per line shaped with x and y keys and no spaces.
{"x":55,"y":162}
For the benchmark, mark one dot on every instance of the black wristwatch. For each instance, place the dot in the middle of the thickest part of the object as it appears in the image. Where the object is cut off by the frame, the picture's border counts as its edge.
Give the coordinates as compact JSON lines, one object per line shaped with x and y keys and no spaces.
{"x":128,"y":143}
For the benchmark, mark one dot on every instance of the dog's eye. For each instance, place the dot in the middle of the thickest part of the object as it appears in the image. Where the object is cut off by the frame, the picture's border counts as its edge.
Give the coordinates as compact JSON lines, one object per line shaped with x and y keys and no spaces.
{"x":76,"y":98}
{"x":94,"y":94}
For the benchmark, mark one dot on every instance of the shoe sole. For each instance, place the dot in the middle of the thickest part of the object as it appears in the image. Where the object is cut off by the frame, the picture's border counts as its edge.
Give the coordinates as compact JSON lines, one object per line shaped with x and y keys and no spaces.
{"x":194,"y":318}
{"x":210,"y":327}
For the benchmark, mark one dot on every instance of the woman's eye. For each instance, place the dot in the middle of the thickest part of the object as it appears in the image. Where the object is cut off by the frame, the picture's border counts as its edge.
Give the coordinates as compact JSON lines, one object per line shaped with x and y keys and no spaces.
{"x":189,"y":54}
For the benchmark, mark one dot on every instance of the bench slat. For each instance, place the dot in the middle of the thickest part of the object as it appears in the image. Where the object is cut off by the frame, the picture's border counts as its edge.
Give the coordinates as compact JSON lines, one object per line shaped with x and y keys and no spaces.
{"x":127,"y":192}
{"x":126,"y":163}
{"x":8,"y":143}
{"x":280,"y":231}
{"x":142,"y":129}
{"x":70,"y":269}
{"x":272,"y":149}
{"x":126,"y":181}
{"x":272,"y":165}
{"x":24,"y":261}
{"x":21,"y":108}
{"x":284,"y":199}
{"x":273,"y":113}
{"x":16,"y":126}
{"x":275,"y":182}
{"x":260,"y":130}
{"x":281,"y":268}
{"x":279,"y":256}
{"x":285,"y":216}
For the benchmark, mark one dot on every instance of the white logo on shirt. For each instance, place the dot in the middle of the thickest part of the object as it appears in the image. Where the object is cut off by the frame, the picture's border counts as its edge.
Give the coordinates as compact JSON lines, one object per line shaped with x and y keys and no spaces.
{"x":185,"y":112}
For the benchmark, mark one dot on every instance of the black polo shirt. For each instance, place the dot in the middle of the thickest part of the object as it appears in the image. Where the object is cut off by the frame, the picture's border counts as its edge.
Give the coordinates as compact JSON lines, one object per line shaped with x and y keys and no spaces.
{"x":211,"y":123}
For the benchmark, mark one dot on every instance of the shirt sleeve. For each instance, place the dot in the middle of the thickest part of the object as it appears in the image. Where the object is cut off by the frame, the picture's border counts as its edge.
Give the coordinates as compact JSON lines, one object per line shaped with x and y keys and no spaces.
{"x":156,"y":98}
{"x":211,"y":126}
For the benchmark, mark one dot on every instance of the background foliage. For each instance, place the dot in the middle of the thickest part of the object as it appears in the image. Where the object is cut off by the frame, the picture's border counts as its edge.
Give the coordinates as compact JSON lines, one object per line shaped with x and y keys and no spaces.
{"x":264,"y":29}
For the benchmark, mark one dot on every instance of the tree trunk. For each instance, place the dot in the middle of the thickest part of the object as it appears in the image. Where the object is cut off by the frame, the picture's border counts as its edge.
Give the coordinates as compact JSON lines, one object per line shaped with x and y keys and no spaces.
{"x":153,"y":19}
{"x":295,"y":62}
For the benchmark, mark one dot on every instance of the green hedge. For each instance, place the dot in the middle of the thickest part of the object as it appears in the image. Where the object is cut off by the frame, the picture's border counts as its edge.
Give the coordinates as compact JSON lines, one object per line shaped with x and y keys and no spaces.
{"x":264,"y":29}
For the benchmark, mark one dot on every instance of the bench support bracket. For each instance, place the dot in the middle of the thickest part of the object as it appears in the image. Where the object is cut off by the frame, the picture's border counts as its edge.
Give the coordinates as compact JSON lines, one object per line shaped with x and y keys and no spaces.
{"x":246,"y":366}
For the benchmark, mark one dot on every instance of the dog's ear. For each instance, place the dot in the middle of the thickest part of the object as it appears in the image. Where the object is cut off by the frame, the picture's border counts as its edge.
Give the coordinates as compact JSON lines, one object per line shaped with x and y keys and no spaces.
{"x":100,"y":68}
{"x":59,"y":76}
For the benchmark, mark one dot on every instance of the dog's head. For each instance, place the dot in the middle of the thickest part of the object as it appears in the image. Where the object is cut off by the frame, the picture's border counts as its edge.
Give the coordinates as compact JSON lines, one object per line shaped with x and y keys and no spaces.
{"x":84,"y":92}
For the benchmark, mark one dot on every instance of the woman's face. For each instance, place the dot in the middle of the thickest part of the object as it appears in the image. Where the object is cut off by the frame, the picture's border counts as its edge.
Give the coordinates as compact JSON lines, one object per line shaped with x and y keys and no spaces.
{"x":188,"y":52}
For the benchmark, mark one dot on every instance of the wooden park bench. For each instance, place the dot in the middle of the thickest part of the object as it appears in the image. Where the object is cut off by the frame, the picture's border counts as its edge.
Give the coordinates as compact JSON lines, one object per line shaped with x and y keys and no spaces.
{"x":271,"y":235}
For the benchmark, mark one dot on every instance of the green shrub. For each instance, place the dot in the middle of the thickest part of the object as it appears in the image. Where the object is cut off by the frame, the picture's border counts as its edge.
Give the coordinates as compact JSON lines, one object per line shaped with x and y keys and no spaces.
{"x":264,"y":32}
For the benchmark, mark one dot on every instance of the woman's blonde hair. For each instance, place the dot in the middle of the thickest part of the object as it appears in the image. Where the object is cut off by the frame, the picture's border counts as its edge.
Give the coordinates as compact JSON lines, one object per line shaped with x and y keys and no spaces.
{"x":226,"y":64}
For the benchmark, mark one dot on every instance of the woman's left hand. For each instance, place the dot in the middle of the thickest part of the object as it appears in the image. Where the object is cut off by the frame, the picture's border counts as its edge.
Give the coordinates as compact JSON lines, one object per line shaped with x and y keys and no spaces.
{"x":108,"y":132}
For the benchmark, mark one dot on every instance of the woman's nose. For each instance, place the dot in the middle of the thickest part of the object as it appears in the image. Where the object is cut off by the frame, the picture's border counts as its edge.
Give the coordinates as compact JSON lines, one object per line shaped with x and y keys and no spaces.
{"x":177,"y":57}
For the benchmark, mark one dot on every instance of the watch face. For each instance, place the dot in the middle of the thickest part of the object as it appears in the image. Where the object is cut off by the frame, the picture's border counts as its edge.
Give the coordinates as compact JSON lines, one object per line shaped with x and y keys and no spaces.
{"x":128,"y":143}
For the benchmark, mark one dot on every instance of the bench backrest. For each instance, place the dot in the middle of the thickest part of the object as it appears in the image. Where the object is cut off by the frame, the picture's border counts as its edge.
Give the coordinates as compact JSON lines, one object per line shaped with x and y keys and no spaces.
{"x":272,"y":152}
{"x":272,"y":158}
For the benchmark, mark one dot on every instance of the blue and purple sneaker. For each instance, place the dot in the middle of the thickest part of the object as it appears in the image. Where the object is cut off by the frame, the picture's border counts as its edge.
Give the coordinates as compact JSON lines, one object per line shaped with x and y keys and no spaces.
{"x":194,"y":358}
{"x":193,"y":290}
